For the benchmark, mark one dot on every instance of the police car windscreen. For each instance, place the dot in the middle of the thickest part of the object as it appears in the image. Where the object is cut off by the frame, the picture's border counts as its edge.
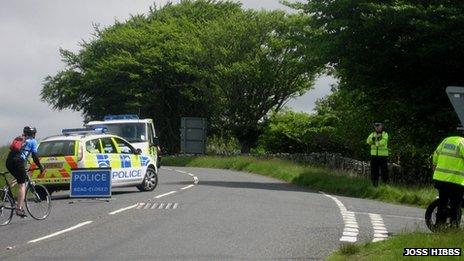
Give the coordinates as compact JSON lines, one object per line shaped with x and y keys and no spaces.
{"x":132,"y":132}
{"x":57,"y":148}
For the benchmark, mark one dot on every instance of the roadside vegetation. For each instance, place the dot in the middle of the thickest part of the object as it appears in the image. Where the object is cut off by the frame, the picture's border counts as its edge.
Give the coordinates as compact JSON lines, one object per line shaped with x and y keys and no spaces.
{"x":314,"y":178}
{"x":392,"y":249}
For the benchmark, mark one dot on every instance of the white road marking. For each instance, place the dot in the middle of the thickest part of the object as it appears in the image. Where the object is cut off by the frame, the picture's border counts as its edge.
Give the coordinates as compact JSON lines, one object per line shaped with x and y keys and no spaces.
{"x":60,"y":232}
{"x":348,"y":239}
{"x":122,"y":209}
{"x":175,"y":205}
{"x":155,"y":205}
{"x":147,"y":206}
{"x":380,"y":231}
{"x":181,"y":171}
{"x":350,"y":230}
{"x":165,"y":194}
{"x":395,"y":216}
{"x":166,"y":168}
{"x":189,"y":186}
{"x":161,"y":206}
{"x":350,"y":234}
{"x":168,"y":206}
{"x":140,"y":205}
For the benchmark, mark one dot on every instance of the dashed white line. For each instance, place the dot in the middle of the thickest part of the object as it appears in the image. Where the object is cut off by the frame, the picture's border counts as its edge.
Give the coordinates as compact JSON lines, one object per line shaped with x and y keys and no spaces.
{"x":394,"y":216}
{"x":122,"y":209}
{"x":181,"y":171}
{"x":380,"y":231}
{"x":60,"y":232}
{"x":187,"y":187}
{"x":165,"y":194}
{"x":140,"y":205}
{"x":351,"y":229}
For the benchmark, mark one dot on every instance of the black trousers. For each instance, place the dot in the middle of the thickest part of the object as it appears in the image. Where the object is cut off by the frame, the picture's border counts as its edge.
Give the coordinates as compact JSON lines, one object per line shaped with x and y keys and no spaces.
{"x":16,"y":166}
{"x":379,"y":167}
{"x":449,"y":194}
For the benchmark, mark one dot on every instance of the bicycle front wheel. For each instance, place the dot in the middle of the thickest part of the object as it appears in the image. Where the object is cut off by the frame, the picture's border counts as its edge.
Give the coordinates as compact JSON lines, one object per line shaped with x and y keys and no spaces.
{"x":6,"y":208}
{"x":38,"y":201}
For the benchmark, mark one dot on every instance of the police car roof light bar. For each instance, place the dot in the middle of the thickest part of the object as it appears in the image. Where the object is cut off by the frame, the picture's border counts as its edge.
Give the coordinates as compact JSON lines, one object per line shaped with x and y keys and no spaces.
{"x":121,"y":117}
{"x":83,"y":131}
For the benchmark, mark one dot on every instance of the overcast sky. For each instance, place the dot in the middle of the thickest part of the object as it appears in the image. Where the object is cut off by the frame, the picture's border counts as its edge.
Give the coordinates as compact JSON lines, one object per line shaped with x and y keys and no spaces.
{"x":32,"y":32}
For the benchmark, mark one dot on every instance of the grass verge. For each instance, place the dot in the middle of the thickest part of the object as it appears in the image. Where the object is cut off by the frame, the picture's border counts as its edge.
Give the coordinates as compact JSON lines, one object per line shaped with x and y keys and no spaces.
{"x":329,"y":181}
{"x":393,"y":248}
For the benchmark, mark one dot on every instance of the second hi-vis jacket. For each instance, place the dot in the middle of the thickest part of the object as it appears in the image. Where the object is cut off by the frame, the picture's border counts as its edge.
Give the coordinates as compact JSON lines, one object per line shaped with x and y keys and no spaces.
{"x":449,"y":161}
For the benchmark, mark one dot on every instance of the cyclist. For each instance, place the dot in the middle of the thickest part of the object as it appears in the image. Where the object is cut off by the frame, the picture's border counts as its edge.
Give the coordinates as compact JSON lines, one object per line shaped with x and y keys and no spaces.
{"x":16,"y":165}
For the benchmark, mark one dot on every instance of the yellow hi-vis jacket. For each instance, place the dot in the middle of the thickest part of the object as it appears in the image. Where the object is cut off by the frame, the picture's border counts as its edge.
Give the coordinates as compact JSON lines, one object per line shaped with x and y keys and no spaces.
{"x":379,"y":143}
{"x":449,"y":161}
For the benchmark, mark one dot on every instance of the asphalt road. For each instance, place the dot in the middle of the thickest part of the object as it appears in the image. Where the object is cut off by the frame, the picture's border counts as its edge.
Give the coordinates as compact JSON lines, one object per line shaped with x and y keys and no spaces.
{"x":227,"y":215}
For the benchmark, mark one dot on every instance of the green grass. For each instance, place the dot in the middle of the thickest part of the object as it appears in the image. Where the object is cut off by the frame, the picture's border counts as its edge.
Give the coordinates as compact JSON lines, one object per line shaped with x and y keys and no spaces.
{"x":392,"y":249}
{"x":320,"y":179}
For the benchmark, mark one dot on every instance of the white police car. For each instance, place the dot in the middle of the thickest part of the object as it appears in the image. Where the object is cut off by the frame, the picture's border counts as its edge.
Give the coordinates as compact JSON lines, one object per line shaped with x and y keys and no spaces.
{"x":85,"y":148}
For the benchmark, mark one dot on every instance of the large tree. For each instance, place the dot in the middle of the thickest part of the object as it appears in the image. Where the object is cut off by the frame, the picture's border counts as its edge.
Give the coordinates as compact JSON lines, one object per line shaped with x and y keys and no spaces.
{"x":398,"y":56}
{"x":197,"y":58}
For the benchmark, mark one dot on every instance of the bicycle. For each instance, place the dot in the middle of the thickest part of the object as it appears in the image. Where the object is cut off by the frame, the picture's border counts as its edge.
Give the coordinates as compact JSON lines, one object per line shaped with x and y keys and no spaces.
{"x":37,"y":201}
{"x":431,"y":217}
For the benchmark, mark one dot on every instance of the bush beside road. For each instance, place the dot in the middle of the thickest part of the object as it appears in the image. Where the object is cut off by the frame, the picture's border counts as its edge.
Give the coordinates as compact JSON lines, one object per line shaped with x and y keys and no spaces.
{"x":329,"y":181}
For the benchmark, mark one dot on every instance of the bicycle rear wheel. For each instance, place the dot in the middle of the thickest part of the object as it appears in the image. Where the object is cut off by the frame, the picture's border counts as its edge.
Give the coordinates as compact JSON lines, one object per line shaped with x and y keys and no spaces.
{"x":38,"y":201}
{"x":6,"y":208}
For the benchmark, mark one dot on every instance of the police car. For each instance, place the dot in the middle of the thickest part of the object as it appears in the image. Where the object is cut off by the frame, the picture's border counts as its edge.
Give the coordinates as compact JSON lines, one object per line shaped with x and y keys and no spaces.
{"x":89,"y":148}
{"x":139,"y":132}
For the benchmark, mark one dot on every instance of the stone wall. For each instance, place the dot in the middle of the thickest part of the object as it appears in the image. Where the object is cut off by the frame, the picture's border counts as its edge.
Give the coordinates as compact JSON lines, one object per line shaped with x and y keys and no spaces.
{"x":397,"y":174}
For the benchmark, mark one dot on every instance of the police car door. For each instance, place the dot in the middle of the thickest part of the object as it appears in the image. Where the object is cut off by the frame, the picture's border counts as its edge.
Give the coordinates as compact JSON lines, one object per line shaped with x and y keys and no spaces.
{"x":130,"y":162}
{"x":110,"y":158}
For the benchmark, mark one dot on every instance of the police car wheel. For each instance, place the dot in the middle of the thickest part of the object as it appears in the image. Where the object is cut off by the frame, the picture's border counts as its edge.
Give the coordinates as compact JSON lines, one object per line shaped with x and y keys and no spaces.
{"x":150,"y":181}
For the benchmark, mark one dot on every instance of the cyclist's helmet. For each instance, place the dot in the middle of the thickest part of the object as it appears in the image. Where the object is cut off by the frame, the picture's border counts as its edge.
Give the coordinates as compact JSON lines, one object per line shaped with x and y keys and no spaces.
{"x":29,"y":131}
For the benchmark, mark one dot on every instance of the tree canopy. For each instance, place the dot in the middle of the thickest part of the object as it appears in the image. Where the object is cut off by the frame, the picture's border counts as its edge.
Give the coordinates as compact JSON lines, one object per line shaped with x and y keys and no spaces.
{"x":394,"y":60}
{"x":200,"y":58}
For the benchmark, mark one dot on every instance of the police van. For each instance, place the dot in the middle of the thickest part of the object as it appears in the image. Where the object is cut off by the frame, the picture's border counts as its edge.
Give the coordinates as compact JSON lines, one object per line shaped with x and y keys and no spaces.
{"x":139,"y":132}
{"x":93,"y":148}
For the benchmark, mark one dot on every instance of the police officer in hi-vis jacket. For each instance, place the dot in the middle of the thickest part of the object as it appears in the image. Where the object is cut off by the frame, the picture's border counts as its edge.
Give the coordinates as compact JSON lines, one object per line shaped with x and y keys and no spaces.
{"x":378,"y":140}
